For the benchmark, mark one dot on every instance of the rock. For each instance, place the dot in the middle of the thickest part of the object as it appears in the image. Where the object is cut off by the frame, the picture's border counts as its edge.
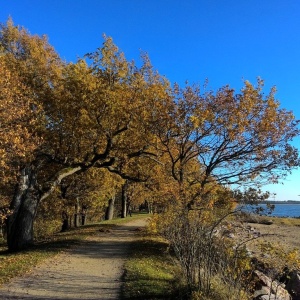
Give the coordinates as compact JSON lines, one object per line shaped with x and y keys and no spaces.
{"x":228,"y":233}
{"x":256,"y":234}
{"x":272,"y":286}
{"x":293,"y":285}
{"x":263,"y":291}
{"x":267,"y":297}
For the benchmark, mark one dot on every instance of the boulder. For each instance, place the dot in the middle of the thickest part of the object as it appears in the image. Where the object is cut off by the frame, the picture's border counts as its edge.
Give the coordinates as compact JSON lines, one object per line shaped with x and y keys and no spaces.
{"x":267,"y":297}
{"x":293,"y":285}
{"x":259,"y":293}
{"x":272,"y":287}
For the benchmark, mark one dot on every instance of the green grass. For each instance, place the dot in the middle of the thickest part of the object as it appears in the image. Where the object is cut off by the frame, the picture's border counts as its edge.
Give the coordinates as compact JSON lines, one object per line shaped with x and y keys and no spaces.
{"x":14,"y":264}
{"x":150,"y":273}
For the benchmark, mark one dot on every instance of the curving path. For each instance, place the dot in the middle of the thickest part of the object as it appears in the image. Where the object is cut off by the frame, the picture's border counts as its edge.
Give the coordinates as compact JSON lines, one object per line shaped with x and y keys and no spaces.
{"x":93,"y":270}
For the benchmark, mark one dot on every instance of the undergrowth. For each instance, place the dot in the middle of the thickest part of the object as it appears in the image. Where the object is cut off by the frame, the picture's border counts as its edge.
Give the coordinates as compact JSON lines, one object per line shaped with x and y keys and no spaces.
{"x":150,"y":272}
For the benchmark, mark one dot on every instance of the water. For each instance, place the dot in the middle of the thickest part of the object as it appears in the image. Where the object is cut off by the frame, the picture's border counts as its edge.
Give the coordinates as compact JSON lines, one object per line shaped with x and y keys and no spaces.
{"x":285,"y":210}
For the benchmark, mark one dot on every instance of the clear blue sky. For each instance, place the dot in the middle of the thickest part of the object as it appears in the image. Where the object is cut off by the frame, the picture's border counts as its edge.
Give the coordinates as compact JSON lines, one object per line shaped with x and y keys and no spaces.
{"x":224,"y":41}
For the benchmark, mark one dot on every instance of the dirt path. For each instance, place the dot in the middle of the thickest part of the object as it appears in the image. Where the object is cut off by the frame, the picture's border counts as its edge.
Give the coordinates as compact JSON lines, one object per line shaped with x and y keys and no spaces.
{"x":91,"y":271}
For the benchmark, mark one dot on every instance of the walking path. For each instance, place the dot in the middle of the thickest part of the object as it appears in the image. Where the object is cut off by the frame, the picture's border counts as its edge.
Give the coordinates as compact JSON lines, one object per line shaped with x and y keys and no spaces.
{"x":91,"y":271}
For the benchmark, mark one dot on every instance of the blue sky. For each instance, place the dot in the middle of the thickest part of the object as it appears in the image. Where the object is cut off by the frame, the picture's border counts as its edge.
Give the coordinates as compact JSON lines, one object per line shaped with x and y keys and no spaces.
{"x":187,"y":40}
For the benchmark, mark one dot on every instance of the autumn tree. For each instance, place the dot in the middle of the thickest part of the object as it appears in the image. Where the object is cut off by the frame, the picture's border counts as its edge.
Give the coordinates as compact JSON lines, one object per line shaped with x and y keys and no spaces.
{"x":18,"y":139}
{"x":77,"y":198}
{"x":216,"y":141}
{"x":104,"y":112}
{"x":91,"y":116}
{"x":237,"y":138}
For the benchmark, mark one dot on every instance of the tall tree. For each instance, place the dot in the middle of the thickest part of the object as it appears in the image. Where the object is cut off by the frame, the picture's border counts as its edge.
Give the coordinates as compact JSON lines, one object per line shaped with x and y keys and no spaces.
{"x":18,"y":123}
{"x":237,"y":138}
{"x":91,"y":117}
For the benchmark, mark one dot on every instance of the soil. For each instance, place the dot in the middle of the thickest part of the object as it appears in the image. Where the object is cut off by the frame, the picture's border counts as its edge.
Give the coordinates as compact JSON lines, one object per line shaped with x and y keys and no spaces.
{"x":286,"y":236}
{"x":92,"y":270}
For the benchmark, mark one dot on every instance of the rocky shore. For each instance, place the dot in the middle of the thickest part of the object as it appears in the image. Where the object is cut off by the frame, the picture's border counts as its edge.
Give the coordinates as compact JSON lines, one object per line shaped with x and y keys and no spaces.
{"x":271,"y":247}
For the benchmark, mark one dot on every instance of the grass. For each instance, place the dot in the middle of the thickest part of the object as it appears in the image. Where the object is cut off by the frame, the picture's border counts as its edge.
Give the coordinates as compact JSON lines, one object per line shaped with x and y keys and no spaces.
{"x":268,"y":220}
{"x":15,"y":264}
{"x":150,"y":273}
{"x":286,"y":221}
{"x":126,"y":220}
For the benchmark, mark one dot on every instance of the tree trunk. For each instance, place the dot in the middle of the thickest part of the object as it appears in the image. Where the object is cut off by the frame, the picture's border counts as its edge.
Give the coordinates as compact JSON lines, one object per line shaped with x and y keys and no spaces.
{"x":65,"y":222}
{"x":129,"y":208}
{"x":83,"y":214}
{"x":3,"y":231}
{"x":124,"y":200}
{"x":24,"y":207}
{"x":83,"y":219}
{"x":25,"y":203}
{"x":109,"y":214}
{"x":71,"y":220}
{"x":77,"y":214}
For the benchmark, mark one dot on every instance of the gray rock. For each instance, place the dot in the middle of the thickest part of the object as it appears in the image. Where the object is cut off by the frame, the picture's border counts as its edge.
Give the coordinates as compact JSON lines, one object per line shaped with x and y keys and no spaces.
{"x":263,"y":291}
{"x":273,"y":287}
{"x":267,"y":297}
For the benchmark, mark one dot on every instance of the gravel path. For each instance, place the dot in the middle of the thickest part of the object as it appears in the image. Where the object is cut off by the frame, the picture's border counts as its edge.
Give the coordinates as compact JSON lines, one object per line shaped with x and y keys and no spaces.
{"x":91,"y":271}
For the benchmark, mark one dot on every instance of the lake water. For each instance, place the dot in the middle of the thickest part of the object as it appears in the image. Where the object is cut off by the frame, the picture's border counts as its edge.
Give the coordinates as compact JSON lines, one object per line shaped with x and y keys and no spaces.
{"x":285,"y":210}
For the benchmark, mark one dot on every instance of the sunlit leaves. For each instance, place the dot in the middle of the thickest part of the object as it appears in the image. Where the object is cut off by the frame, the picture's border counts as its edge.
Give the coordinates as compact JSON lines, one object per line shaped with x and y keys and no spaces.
{"x":106,"y":112}
{"x":236,"y":136}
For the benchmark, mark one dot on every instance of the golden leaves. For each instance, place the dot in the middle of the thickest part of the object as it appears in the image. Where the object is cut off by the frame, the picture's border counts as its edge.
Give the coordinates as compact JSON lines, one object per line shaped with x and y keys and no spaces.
{"x":17,"y":118}
{"x":130,"y":115}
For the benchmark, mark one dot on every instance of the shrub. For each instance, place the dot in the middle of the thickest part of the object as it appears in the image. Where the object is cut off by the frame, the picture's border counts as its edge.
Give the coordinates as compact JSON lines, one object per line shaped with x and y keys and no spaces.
{"x":203,"y":253}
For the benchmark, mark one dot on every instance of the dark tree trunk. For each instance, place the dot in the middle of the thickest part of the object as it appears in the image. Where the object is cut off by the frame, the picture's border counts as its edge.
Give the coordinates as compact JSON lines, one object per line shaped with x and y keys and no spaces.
{"x":65,"y":222}
{"x":109,"y":214}
{"x":83,"y":214}
{"x":83,"y":219}
{"x":124,"y":200}
{"x":24,"y":207}
{"x":25,"y":203}
{"x":77,"y":214}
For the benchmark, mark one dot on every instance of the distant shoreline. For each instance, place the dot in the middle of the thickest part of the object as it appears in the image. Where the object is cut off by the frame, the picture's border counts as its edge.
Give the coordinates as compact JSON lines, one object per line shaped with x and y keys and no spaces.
{"x":280,"y":202}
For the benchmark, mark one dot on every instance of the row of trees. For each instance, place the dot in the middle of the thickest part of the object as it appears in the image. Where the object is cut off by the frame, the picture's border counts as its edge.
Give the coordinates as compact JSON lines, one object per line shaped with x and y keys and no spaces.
{"x":105,"y":115}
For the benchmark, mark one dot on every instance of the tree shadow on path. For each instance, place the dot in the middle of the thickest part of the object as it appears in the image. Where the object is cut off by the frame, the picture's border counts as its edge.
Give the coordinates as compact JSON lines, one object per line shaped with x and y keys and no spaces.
{"x":91,"y":269}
